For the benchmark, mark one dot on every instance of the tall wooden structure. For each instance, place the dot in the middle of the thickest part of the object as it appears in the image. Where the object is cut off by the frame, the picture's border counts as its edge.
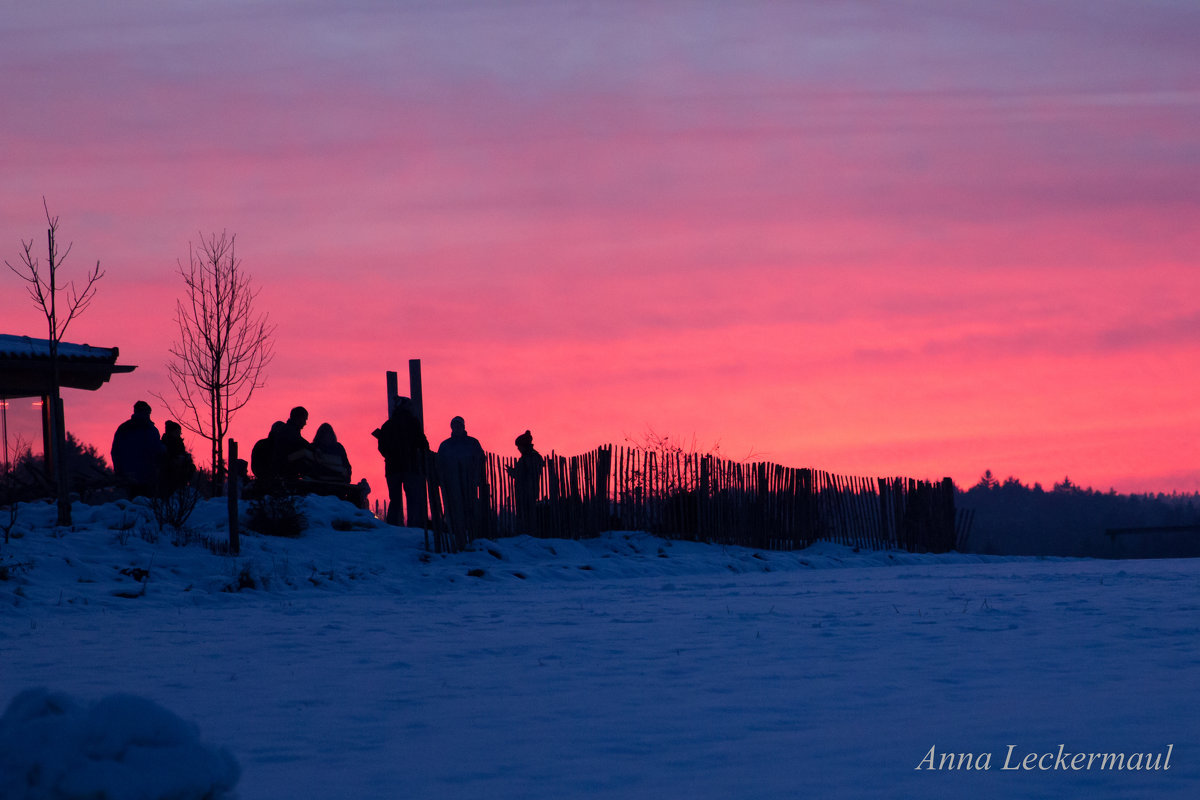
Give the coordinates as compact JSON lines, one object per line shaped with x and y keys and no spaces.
{"x":415,"y":392}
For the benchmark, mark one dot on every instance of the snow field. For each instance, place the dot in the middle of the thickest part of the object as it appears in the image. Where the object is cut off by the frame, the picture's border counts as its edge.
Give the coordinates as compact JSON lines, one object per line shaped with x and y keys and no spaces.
{"x":624,"y":666}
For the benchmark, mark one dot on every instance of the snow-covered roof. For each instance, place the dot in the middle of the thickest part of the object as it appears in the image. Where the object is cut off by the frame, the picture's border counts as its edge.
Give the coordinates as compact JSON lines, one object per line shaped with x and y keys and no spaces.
{"x":25,"y":365}
{"x":28,"y":347}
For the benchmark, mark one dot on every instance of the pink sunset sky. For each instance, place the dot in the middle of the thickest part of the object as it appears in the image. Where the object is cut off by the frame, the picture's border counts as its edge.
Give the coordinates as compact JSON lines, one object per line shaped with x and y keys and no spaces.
{"x":914,"y":238}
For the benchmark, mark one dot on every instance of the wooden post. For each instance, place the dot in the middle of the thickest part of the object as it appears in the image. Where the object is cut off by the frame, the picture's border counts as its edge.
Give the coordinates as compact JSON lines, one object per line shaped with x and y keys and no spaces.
{"x":603,"y":501}
{"x":47,"y":436}
{"x":393,"y":391}
{"x":414,"y":390}
{"x":432,"y":512}
{"x":232,"y":496}
{"x":947,"y":537}
{"x":762,"y":493}
{"x":62,"y":473}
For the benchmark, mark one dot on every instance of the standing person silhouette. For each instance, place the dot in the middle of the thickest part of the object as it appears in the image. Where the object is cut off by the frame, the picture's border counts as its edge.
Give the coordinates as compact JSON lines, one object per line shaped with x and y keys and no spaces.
{"x":461,"y":467}
{"x":405,"y":451}
{"x":176,"y":466}
{"x":137,"y":451}
{"x":527,"y":479}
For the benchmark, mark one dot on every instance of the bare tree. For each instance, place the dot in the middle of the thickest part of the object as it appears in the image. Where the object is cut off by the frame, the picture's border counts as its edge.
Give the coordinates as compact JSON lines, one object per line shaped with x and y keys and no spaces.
{"x":223,"y":348}
{"x":44,"y":289}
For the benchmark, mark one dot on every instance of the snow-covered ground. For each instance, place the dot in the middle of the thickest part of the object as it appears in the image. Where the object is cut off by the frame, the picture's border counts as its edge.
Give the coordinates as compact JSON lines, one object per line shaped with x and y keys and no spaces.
{"x":348,"y":663}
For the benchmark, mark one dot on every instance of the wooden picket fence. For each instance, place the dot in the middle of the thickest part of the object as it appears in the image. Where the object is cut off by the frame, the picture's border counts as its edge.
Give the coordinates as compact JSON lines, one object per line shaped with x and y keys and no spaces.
{"x":704,"y":498}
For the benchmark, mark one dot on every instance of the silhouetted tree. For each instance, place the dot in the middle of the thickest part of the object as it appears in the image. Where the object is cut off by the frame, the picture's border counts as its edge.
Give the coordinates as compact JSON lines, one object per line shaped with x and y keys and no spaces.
{"x":44,"y":289}
{"x":1071,"y":520}
{"x":987,"y":481}
{"x":223,"y":348}
{"x":28,"y":479}
{"x":1067,"y":487}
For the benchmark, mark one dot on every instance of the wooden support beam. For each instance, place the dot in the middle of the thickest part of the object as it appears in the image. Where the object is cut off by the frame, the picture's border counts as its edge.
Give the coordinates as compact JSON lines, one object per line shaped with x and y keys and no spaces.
{"x":47,"y":435}
{"x":393,"y":391}
{"x":414,"y":390}
{"x":232,"y":493}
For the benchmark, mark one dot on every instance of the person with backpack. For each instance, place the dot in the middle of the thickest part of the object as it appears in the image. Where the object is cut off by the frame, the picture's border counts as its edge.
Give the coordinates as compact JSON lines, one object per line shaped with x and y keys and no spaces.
{"x":405,"y":452}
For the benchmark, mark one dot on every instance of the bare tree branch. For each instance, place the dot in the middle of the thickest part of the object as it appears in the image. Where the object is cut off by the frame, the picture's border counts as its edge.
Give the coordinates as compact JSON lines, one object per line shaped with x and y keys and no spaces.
{"x":223,"y":347}
{"x":44,"y":291}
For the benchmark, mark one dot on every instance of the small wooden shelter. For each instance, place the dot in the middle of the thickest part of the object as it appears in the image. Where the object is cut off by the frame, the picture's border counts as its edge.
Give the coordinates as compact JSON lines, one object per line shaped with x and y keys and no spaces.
{"x":26,"y":371}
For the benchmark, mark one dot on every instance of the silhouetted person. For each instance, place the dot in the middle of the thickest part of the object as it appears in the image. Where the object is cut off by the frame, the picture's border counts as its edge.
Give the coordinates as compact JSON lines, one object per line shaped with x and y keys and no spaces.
{"x":405,"y":452}
{"x":293,"y":453}
{"x":527,"y":482}
{"x":177,"y":466}
{"x":330,"y":460}
{"x":136,"y":450}
{"x":461,"y":467}
{"x":329,"y":472}
{"x":264,"y":462}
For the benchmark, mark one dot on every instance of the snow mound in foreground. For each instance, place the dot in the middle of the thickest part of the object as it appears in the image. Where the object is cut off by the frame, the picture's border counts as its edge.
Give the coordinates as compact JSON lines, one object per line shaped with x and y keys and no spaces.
{"x":123,"y":746}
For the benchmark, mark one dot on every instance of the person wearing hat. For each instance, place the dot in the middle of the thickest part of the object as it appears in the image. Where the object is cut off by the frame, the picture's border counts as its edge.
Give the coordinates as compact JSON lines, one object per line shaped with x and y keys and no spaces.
{"x":136,"y":451}
{"x":527,"y":479}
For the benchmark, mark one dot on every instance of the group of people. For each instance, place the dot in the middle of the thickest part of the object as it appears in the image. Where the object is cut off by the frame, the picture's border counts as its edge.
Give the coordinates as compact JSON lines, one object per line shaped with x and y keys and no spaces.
{"x":284,"y":460}
{"x":151,"y":464}
{"x":458,"y":468}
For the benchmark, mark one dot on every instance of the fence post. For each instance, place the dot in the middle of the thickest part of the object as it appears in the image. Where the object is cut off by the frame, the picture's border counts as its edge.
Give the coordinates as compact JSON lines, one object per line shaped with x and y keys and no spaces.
{"x":948,"y":538}
{"x":231,"y":487}
{"x":805,"y":507}
{"x":604,"y":502}
{"x":762,"y":496}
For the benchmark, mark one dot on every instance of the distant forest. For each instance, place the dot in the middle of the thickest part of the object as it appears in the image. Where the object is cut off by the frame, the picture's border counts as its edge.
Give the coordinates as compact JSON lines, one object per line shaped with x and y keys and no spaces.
{"x":1010,"y":518}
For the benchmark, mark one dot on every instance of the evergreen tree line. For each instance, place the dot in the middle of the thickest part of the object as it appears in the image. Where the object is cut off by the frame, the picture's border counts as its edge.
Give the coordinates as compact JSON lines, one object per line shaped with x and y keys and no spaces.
{"x":1011,"y":518}
{"x":28,"y":479}
{"x":92,"y":479}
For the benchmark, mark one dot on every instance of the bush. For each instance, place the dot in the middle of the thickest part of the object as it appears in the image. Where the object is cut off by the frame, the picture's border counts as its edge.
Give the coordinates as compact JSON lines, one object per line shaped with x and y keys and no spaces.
{"x":276,"y":515}
{"x":174,"y":509}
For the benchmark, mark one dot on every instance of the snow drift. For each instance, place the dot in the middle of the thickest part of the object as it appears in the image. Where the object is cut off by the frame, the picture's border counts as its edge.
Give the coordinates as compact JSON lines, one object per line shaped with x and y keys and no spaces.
{"x":122,"y":747}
